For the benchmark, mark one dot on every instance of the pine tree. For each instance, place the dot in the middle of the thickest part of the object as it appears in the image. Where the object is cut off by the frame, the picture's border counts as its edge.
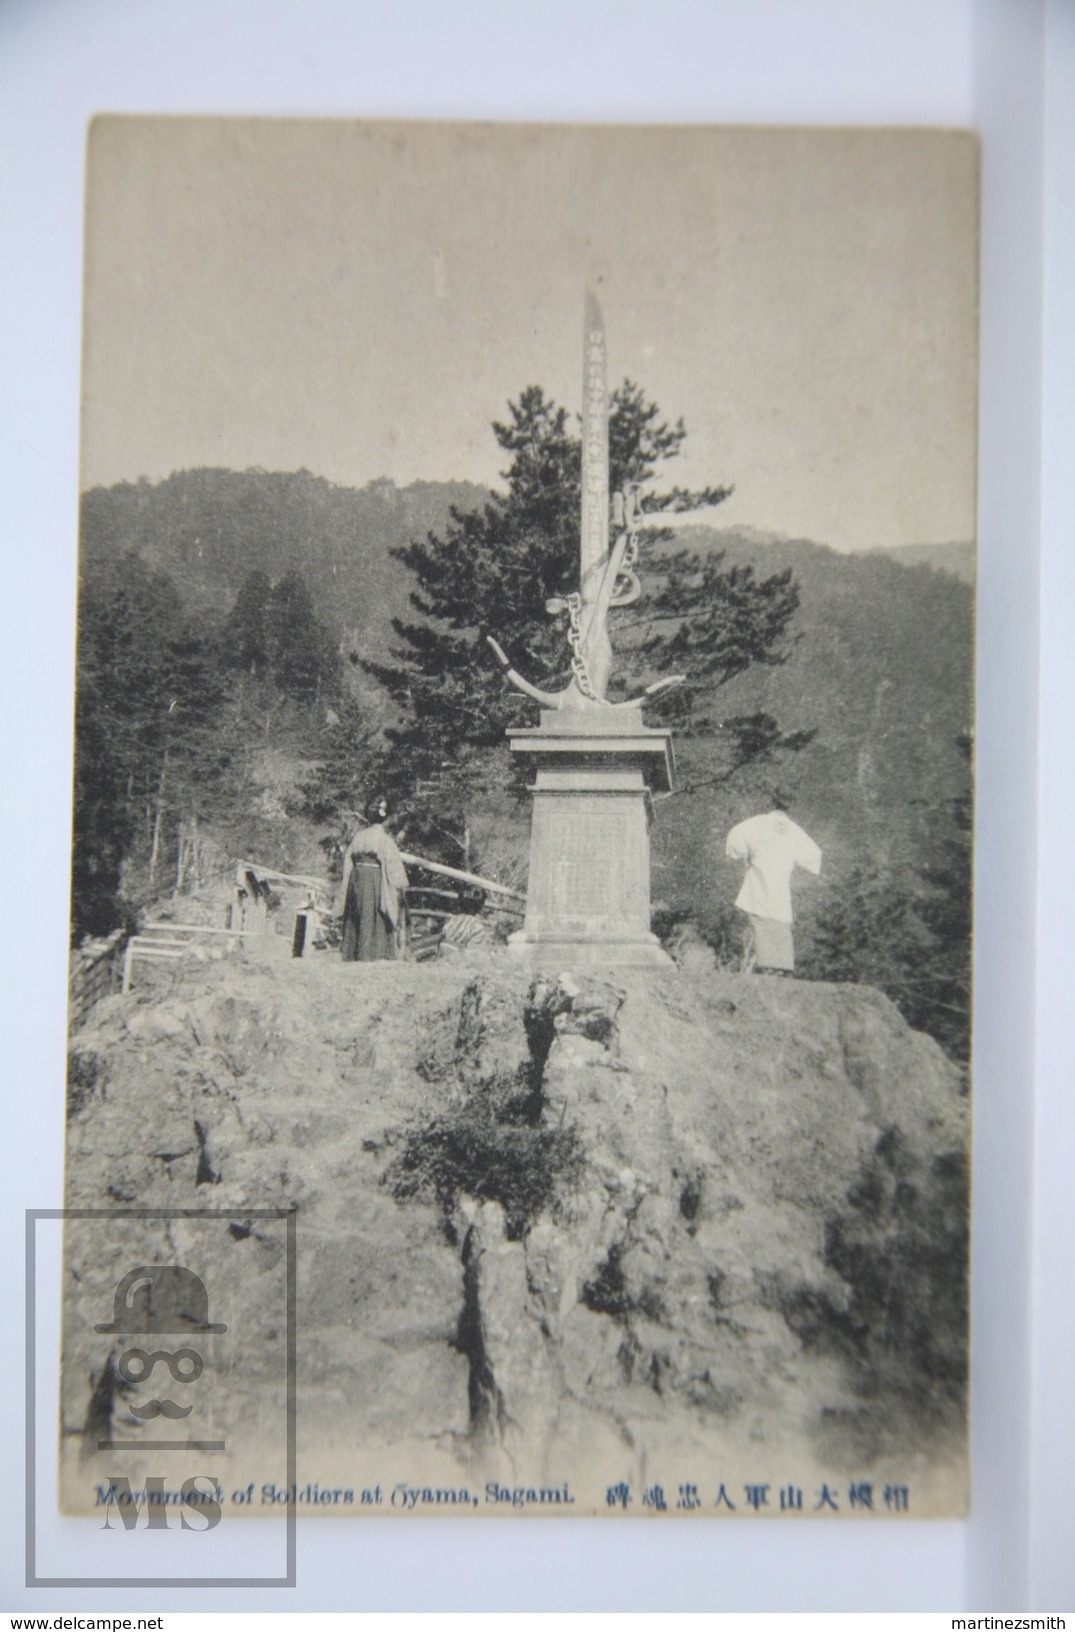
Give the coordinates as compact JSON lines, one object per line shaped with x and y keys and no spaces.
{"x":909,"y":932}
{"x":244,"y":639}
{"x":151,"y":739}
{"x":102,"y":825}
{"x":494,"y":569}
{"x":302,"y":654}
{"x":128,"y":616}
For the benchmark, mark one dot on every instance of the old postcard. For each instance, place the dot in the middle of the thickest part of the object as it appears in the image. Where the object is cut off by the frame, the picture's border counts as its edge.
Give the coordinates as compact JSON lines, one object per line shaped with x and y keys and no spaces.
{"x":520,"y":968}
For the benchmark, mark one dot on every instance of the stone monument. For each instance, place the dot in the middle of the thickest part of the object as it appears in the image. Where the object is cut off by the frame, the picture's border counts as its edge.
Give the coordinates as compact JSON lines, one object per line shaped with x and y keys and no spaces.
{"x":588,"y":896}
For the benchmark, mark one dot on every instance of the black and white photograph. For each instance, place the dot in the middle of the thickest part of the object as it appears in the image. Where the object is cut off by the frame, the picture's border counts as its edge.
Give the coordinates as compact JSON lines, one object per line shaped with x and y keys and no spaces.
{"x":523,"y":809}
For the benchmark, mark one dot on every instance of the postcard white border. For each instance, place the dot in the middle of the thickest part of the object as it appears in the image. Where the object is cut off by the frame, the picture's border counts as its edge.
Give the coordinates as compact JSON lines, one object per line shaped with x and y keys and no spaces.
{"x":946,"y":62}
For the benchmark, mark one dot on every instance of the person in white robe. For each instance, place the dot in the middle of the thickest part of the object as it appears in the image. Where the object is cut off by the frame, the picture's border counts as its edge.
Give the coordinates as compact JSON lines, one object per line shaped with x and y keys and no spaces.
{"x":772,"y":846}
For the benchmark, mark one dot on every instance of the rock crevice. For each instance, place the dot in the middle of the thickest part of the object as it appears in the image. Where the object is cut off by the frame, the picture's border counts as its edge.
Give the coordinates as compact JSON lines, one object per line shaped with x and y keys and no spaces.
{"x":544,"y":1220}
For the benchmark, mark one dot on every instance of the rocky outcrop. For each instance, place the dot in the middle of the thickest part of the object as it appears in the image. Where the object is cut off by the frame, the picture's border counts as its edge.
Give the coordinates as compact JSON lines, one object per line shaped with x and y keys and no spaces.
{"x":547,"y":1225}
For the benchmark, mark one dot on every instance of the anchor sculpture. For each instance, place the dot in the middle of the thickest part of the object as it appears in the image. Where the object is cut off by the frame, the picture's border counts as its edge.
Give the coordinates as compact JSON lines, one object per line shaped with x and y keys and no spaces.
{"x":595,"y":762}
{"x":607,"y":578}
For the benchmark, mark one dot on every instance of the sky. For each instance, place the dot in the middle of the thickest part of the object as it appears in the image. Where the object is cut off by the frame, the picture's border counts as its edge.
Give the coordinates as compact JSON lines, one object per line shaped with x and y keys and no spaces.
{"x":362,"y":300}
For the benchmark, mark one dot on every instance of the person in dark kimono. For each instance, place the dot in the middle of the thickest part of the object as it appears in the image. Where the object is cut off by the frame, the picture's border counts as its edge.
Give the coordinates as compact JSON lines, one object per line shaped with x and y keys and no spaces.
{"x":371,"y":891}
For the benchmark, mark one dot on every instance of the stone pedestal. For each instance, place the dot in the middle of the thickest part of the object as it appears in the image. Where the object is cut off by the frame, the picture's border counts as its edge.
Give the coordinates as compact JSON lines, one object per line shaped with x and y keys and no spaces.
{"x":587,"y":899}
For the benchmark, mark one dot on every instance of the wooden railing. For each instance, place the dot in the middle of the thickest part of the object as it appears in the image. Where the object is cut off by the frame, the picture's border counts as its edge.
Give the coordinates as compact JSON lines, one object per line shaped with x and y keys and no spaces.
{"x":94,"y":973}
{"x":166,"y":941}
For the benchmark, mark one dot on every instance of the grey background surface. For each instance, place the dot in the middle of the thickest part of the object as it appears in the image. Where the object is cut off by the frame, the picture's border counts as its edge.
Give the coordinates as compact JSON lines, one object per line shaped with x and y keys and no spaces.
{"x":1003,"y":66}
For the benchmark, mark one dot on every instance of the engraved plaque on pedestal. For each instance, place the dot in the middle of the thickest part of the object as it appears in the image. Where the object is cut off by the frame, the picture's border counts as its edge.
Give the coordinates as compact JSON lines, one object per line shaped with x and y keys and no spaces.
{"x":587,"y":899}
{"x":587,"y":864}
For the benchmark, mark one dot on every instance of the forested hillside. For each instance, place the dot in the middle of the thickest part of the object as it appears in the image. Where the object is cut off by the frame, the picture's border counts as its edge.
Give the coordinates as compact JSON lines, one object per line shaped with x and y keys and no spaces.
{"x":220,"y":698}
{"x":208,"y":529}
{"x":881,"y":672}
{"x":223,"y":626}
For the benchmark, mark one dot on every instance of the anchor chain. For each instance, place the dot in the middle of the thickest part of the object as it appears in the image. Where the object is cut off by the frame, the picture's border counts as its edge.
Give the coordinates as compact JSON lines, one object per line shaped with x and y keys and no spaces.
{"x":625,"y":575}
{"x":620,"y":596}
{"x":579,"y":668}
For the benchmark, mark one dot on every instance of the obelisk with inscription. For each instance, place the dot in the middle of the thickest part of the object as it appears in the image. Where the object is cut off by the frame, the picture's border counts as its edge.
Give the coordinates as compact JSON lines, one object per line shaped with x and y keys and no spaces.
{"x":595,"y":762}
